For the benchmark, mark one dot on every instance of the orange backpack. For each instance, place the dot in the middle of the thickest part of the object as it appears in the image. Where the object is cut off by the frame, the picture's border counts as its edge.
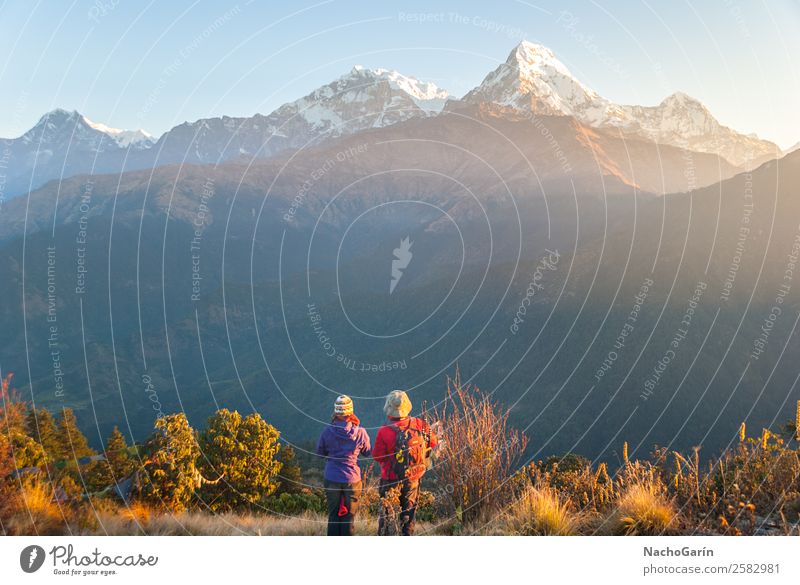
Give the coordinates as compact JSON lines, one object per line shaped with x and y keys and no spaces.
{"x":411,"y":450}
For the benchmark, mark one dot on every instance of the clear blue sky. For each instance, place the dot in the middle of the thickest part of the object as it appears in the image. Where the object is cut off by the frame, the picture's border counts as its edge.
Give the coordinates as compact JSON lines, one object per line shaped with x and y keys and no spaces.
{"x":153,"y":65}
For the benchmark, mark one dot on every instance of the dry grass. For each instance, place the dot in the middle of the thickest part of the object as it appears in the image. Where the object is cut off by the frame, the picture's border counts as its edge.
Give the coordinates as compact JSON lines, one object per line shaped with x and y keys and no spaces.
{"x":541,"y":512}
{"x":197,"y":523}
{"x":204,"y":524}
{"x":32,"y":510}
{"x":643,"y":509}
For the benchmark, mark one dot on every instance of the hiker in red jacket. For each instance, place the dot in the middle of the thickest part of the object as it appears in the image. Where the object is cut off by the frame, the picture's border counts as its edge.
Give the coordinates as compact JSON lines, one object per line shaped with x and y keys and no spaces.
{"x":402,"y":449}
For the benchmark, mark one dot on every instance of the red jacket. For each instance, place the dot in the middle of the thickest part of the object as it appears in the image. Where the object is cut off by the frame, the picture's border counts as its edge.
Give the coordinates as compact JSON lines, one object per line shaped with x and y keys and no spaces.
{"x":386,"y":442}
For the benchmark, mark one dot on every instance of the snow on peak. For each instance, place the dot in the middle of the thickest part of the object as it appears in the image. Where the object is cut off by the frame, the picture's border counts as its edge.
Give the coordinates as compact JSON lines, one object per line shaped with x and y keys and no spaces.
{"x":124,"y":138}
{"x":70,"y":125}
{"x":536,"y":59}
{"x":58,"y":116}
{"x":681,"y":99}
{"x":420,"y":91}
{"x":363,"y":98}
{"x":533,"y":80}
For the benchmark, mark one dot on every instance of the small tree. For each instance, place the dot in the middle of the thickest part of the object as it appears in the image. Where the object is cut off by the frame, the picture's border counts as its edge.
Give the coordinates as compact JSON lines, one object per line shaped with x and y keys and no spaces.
{"x":72,"y":443}
{"x":42,"y":427}
{"x":480,"y":451}
{"x":243,"y":454}
{"x":169,"y":471}
{"x":118,"y":456}
{"x":116,"y":466}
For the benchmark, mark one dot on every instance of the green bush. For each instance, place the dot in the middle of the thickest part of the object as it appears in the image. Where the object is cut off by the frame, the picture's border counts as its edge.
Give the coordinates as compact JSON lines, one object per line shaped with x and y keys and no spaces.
{"x":292,"y":504}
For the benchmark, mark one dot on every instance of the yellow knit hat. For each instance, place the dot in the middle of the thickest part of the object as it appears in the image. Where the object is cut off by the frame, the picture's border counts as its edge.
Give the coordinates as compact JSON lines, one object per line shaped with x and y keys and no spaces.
{"x":343,"y":406}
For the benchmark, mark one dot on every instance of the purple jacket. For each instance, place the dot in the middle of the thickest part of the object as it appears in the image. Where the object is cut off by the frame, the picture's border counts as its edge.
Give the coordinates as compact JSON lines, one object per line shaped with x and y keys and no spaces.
{"x":341,"y":443}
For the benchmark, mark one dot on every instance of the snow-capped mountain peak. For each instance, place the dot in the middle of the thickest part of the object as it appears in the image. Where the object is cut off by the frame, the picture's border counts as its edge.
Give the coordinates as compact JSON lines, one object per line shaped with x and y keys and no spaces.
{"x":124,"y":138}
{"x":533,"y":80}
{"x":536,"y":60}
{"x":425,"y":93}
{"x":680,"y":98}
{"x":73,"y":128}
{"x":363,"y":84}
{"x":363,"y":98}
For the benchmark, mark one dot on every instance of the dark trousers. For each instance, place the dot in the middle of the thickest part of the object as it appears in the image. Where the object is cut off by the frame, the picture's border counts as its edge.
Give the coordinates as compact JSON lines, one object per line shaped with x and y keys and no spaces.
{"x":339,"y":494}
{"x":409,"y":496}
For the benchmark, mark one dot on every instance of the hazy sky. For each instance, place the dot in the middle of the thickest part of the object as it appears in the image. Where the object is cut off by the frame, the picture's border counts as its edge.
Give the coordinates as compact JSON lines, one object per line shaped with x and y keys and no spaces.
{"x":153,"y":65}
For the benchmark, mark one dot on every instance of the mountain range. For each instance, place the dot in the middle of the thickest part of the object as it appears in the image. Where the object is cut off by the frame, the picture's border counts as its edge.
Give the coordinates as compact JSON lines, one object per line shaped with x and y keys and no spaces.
{"x":531,"y":82}
{"x":258,"y":280}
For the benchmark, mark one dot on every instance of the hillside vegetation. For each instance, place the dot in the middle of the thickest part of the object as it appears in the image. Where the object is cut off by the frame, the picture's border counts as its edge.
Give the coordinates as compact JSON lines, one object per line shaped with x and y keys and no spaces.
{"x":236,"y":477}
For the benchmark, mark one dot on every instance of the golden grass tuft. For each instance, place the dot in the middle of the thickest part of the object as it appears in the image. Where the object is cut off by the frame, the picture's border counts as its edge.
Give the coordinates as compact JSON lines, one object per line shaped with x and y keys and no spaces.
{"x":137,"y":512}
{"x":643,"y":509}
{"x":33,"y":510}
{"x":542,"y":512}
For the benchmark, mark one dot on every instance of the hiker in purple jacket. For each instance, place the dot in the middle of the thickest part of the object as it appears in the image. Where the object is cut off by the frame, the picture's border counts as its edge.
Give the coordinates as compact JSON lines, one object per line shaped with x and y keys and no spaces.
{"x":341,"y":443}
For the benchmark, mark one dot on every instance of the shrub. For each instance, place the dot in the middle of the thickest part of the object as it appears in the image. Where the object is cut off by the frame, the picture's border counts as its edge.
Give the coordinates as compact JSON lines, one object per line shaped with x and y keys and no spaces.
{"x":241,"y":453}
{"x":169,"y":477}
{"x":292,"y":504}
{"x":478,"y":452}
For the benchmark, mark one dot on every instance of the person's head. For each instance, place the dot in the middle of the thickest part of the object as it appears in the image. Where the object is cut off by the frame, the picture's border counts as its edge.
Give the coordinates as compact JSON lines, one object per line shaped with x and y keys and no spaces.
{"x":397,"y":404}
{"x":343,"y":406}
